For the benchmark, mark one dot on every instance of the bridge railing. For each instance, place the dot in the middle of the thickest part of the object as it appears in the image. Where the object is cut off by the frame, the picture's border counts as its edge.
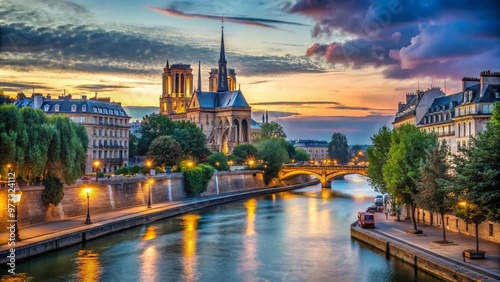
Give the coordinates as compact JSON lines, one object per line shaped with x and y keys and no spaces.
{"x":314,"y":166}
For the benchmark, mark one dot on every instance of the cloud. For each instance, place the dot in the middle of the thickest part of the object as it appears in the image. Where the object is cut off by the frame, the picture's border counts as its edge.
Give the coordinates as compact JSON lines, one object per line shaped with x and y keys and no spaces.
{"x":17,"y":87}
{"x":99,"y":87}
{"x":293,"y":103}
{"x":258,"y":22}
{"x":341,"y":107}
{"x":406,"y":38}
{"x":257,"y":115}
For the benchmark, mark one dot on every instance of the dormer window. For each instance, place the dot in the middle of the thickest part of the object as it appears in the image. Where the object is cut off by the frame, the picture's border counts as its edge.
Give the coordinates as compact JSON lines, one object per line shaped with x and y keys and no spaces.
{"x":56,"y":108}
{"x":497,"y":94}
{"x":84,"y":108}
{"x":451,"y":105}
{"x":46,"y":108}
{"x":94,"y":109}
{"x":470,"y":96}
{"x":73,"y":108}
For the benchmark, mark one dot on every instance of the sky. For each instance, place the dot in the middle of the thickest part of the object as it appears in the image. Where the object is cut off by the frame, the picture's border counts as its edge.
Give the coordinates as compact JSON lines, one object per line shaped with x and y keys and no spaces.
{"x":317,"y":66}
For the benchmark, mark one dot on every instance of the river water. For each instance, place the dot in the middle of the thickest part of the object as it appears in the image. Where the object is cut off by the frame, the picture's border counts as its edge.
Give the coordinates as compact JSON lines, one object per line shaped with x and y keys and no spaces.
{"x":302,"y":235}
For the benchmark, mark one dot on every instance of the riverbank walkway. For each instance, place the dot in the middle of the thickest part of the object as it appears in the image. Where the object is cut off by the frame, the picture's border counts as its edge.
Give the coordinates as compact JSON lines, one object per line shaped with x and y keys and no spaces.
{"x":396,"y":230}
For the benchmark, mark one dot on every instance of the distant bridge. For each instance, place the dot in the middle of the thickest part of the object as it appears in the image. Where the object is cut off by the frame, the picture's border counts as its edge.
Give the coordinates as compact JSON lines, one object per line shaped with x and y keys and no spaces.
{"x":325,"y":173}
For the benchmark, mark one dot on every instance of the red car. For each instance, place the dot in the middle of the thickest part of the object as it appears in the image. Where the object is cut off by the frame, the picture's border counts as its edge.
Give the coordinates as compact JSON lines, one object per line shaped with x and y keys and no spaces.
{"x":366,"y":219}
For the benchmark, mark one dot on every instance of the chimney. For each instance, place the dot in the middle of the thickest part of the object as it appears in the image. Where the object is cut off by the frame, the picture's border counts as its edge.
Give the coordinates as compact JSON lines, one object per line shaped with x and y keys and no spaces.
{"x":21,"y":96}
{"x":84,"y":97}
{"x":48,"y":96}
{"x":37,"y":101}
{"x":486,"y":79}
{"x":468,"y":82}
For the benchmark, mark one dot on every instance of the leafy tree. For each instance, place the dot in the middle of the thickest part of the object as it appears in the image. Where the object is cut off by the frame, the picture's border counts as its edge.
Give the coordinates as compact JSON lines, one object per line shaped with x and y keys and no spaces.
{"x":301,"y":155}
{"x":271,"y":130}
{"x":12,"y":145}
{"x":165,"y":151}
{"x":132,"y":140}
{"x":338,"y":148}
{"x":235,"y":159}
{"x":274,"y":155}
{"x":471,"y":213}
{"x":192,"y":140}
{"x":245,"y":151}
{"x":402,"y":169}
{"x":218,"y":160}
{"x":290,"y":149}
{"x":196,"y":179}
{"x":153,"y":126}
{"x":433,"y":194}
{"x":123,"y":170}
{"x":378,"y":154}
{"x":53,"y":192}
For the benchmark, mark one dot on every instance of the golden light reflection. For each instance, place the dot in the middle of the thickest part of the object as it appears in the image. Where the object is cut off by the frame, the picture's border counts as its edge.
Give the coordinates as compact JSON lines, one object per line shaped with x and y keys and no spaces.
{"x":149,"y":264}
{"x":274,"y":197}
{"x":84,"y":192}
{"x":325,"y":194}
{"x":190,"y":223}
{"x":359,"y":197}
{"x":251,"y":207}
{"x":150,"y":233}
{"x":88,"y":267}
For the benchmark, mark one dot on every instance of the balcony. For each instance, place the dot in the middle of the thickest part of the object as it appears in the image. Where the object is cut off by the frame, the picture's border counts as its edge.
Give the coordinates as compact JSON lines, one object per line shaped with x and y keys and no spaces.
{"x":113,"y":160}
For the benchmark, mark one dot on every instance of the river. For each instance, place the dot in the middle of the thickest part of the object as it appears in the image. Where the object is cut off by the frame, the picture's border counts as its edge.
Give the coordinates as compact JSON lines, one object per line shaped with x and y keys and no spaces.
{"x":301,"y":235}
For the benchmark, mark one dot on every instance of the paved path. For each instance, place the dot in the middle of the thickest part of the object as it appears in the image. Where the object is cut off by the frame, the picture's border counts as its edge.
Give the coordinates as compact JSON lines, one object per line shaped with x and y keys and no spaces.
{"x":449,"y":252}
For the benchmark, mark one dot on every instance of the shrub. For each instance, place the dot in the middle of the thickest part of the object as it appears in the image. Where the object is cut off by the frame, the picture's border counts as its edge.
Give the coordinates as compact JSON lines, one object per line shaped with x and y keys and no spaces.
{"x":124,"y":170}
{"x":53,"y":192}
{"x":196,"y":179}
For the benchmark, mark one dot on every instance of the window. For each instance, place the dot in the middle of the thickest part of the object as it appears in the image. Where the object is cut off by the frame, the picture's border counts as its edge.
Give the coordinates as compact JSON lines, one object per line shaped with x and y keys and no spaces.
{"x":458,"y":127}
{"x":46,"y":108}
{"x":466,"y":226}
{"x":73,"y":108}
{"x":84,"y":108}
{"x":470,"y":128}
{"x":456,"y":223}
{"x":447,"y":221}
{"x":497,"y":94}
{"x":94,"y":109}
{"x":491,"y":230}
{"x":56,"y":108}
{"x":99,"y":110}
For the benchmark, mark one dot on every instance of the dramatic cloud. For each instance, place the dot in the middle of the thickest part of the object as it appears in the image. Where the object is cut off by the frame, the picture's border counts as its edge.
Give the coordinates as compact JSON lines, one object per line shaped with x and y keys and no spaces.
{"x":14,"y":87}
{"x":266,"y":23}
{"x":406,"y":38}
{"x":294,"y":103}
{"x":100,"y":87}
{"x":257,"y":115}
{"x":349,"y":108}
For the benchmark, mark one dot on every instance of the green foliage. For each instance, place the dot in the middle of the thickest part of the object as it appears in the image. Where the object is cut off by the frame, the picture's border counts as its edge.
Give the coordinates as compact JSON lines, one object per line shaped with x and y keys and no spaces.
{"x":378,"y":154}
{"x":301,"y":155}
{"x":135,"y":169}
{"x":192,"y":140}
{"x":401,"y":171}
{"x":218,"y":161}
{"x":123,"y":171}
{"x":196,"y":179}
{"x":153,"y":126}
{"x":290,"y":149}
{"x":274,"y":155}
{"x":132,"y":141}
{"x":165,"y":151}
{"x":235,"y":159}
{"x":433,"y":194}
{"x":338,"y":148}
{"x":271,"y":130}
{"x":244,"y":152}
{"x":38,"y":145}
{"x":53,"y":192}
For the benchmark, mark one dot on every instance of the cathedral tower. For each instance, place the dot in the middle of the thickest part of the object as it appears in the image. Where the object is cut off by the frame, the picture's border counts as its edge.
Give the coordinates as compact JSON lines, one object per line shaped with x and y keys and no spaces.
{"x":177,"y":88}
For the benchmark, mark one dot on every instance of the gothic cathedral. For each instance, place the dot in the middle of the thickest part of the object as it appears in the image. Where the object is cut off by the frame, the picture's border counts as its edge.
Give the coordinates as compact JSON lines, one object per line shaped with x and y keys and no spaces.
{"x":222,"y":112}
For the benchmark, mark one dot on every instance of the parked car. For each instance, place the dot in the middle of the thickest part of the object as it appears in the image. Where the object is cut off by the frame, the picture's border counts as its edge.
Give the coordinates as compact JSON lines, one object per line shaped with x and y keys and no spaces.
{"x":379,"y":202}
{"x":372,"y":209}
{"x":366,"y":219}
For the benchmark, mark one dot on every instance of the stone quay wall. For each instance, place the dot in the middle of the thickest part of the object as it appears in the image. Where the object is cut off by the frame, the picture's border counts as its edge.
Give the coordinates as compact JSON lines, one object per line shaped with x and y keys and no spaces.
{"x":426,"y":262}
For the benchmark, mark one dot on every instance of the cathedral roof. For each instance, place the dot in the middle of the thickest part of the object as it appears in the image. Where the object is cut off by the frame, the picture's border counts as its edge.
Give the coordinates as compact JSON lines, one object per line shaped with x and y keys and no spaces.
{"x":221,"y":99}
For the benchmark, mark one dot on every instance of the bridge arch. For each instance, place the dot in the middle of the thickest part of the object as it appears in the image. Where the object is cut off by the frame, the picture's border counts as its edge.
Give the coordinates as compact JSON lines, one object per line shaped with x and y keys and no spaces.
{"x":324,"y":173}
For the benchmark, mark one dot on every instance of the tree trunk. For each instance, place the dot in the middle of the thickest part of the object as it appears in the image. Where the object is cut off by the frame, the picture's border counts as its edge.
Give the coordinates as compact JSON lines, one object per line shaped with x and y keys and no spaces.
{"x":444,"y":228}
{"x":477,"y":237}
{"x":413,"y":207}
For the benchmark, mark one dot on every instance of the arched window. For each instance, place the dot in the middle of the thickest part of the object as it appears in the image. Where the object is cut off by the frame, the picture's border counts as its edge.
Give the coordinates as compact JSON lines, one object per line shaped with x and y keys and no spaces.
{"x":56,"y":108}
{"x":84,"y":108}
{"x":183,"y":86}
{"x":46,"y":108}
{"x":458,"y":127}
{"x":470,"y":128}
{"x":176,"y":83}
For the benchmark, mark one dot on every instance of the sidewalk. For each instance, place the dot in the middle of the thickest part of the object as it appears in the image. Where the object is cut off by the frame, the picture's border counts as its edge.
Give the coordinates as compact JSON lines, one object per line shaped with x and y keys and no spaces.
{"x":489,"y":266}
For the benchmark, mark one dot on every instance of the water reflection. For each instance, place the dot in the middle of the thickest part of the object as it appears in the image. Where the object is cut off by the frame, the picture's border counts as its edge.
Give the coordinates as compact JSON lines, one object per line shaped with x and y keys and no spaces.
{"x":149,"y":264}
{"x":248,"y":261}
{"x":88,"y":267}
{"x":190,"y":233}
{"x":150,"y":233}
{"x":251,"y":207}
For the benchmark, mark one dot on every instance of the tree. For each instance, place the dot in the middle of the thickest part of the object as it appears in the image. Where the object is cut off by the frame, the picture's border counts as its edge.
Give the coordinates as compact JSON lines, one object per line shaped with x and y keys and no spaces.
{"x":301,"y":155}
{"x":197,"y":178}
{"x":53,"y":192}
{"x":218,"y":160}
{"x":274,"y":155}
{"x":338,"y":148}
{"x":153,"y":126}
{"x":192,"y":140}
{"x":378,"y":154}
{"x":165,"y":151}
{"x":433,"y":194}
{"x":245,"y":151}
{"x":271,"y":130}
{"x":290,"y":149}
{"x":133,"y":144}
{"x":402,"y":169}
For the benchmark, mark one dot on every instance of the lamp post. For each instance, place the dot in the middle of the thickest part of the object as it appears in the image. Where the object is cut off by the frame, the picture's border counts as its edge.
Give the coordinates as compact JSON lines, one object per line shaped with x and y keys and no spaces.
{"x":88,"y":221}
{"x":97,"y":164}
{"x":190,"y":164}
{"x":16,"y":199}
{"x":150,"y":181}
{"x":250,"y":163}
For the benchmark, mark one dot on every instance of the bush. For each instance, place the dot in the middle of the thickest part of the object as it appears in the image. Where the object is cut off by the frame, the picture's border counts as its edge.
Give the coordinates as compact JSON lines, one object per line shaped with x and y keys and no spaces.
{"x":53,"y":192}
{"x":218,"y":161}
{"x":197,"y":178}
{"x":124,"y":170}
{"x":135,"y":169}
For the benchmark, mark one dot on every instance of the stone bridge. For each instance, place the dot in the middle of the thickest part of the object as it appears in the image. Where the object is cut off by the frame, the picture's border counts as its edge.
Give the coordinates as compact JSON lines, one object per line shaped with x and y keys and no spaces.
{"x":325,"y":173}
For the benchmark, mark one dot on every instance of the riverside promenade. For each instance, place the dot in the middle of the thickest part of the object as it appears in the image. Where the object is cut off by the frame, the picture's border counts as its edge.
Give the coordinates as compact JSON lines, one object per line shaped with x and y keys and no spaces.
{"x":487,"y":269}
{"x":49,"y":236}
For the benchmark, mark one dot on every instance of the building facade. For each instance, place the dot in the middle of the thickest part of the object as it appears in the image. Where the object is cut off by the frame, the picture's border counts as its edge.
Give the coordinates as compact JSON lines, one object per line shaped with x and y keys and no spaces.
{"x":106,"y":123}
{"x":317,"y":150}
{"x":222,"y":112}
{"x":457,"y":117}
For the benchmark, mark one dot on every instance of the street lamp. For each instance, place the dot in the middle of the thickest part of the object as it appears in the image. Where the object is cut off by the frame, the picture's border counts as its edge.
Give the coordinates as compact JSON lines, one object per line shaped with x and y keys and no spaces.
{"x":190,"y":164}
{"x":150,"y":181}
{"x":88,"y":221}
{"x":250,"y":163}
{"x":16,"y":199}
{"x":97,"y":164}
{"x":230,"y":163}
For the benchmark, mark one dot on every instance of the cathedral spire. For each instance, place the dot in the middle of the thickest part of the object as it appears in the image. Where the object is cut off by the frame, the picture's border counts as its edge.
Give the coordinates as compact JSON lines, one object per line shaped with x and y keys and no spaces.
{"x":199,"y":76}
{"x":168,"y":66}
{"x":222,"y":84}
